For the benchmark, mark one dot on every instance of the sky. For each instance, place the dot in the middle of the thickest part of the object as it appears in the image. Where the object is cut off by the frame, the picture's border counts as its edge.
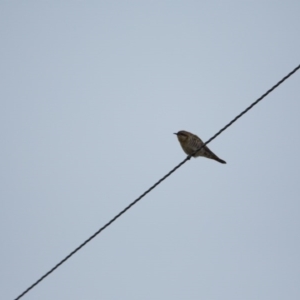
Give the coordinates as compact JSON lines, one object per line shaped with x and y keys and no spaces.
{"x":91,"y":94}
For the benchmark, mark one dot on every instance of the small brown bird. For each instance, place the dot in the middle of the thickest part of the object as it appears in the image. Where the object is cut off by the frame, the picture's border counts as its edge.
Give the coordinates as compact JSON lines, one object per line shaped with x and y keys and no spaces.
{"x":190,"y":143}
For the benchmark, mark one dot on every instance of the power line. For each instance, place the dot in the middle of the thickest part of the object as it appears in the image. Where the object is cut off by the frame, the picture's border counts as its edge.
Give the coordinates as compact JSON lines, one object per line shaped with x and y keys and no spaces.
{"x":157,"y":183}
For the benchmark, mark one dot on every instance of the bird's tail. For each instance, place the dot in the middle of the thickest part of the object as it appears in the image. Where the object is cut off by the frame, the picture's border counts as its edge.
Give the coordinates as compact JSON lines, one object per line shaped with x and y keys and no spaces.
{"x":218,"y":159}
{"x":211,"y":155}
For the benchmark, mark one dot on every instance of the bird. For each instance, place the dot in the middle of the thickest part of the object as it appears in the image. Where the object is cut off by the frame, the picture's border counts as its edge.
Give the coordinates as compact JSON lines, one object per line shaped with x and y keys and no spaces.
{"x":190,"y":143}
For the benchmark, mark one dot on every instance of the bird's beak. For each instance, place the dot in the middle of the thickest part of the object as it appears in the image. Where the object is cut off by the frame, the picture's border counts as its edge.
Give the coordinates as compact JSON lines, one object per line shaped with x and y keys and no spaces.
{"x":175,"y":133}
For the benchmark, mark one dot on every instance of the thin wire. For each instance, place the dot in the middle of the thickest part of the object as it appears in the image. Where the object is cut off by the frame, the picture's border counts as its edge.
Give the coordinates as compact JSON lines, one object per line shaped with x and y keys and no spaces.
{"x":157,"y":183}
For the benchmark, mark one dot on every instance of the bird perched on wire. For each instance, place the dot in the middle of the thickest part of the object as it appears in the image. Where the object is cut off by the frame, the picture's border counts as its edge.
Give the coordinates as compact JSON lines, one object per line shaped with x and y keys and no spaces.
{"x":191,"y":142}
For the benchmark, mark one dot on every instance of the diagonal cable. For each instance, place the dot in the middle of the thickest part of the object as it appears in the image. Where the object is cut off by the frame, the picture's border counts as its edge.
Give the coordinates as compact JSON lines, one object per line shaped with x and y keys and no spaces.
{"x":157,"y":183}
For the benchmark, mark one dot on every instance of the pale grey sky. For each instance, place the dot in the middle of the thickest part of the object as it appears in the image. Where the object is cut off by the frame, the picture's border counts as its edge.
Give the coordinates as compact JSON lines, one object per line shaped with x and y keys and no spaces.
{"x":91,"y":93}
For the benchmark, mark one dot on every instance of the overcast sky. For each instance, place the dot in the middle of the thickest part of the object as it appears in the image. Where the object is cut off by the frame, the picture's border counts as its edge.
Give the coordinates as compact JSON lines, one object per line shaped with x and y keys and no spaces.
{"x":91,"y":94}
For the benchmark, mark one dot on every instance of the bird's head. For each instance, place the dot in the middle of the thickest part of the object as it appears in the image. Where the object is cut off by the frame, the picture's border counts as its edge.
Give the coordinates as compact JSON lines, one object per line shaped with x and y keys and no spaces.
{"x":182,"y":135}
